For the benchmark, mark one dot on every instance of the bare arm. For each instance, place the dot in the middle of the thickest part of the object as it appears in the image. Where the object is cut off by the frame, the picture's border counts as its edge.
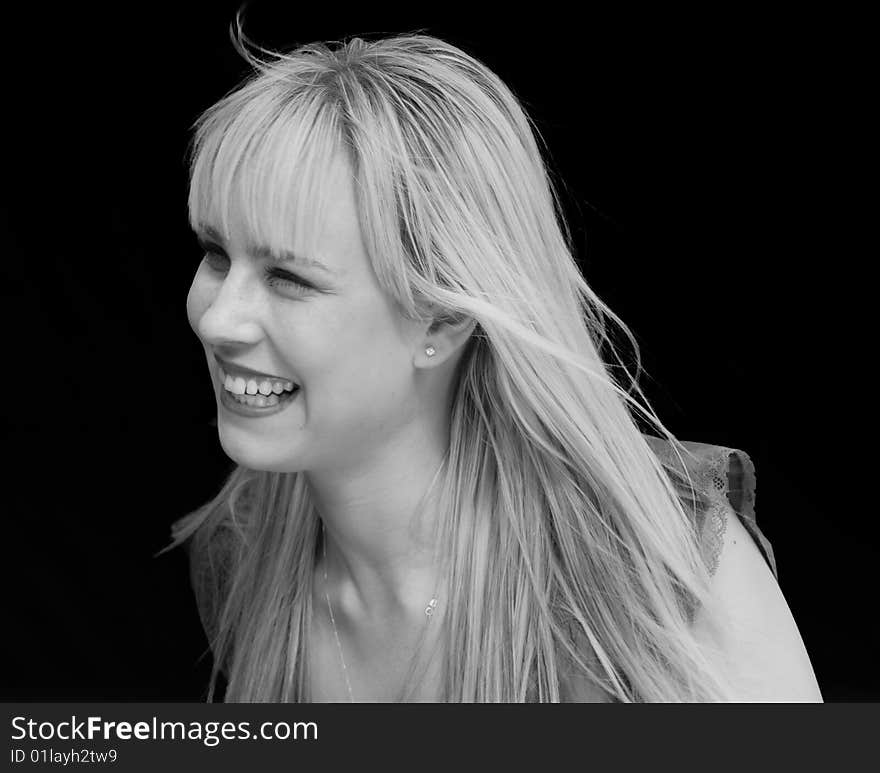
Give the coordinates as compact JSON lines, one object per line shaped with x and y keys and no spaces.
{"x":765,"y":647}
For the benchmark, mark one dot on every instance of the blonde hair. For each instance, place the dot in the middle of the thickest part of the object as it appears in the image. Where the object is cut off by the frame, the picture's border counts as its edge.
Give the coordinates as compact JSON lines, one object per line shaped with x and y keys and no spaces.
{"x":572,"y":556}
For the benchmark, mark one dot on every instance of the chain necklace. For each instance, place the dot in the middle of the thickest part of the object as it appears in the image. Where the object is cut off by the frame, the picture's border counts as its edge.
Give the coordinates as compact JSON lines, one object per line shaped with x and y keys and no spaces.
{"x":429,"y":610}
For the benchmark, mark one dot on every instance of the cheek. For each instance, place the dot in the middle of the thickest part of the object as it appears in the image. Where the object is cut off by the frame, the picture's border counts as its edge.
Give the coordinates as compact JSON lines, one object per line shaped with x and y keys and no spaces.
{"x":377,"y":376}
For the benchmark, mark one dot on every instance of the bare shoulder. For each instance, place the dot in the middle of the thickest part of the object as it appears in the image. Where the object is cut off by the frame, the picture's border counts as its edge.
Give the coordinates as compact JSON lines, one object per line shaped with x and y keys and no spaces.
{"x":765,"y":647}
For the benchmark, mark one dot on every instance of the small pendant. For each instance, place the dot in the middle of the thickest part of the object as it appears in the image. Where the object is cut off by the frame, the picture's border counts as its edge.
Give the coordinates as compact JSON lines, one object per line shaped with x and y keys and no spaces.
{"x":429,"y":610}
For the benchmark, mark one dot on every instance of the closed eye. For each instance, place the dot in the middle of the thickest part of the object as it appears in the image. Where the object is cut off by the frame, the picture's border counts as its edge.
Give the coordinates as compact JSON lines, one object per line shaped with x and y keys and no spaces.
{"x":214,"y":255}
{"x":275,"y":276}
{"x":218,"y":261}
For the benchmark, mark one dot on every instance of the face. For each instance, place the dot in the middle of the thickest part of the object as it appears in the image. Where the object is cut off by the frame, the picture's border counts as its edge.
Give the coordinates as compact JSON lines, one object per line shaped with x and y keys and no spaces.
{"x":334,"y":333}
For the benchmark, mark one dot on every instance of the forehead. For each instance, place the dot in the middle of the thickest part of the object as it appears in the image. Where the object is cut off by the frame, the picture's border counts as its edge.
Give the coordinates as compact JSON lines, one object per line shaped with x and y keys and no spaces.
{"x":278,"y":188}
{"x":314,"y":226}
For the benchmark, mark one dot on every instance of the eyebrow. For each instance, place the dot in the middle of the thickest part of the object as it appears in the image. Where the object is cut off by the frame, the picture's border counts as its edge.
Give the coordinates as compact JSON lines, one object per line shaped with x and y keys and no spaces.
{"x":207,"y":233}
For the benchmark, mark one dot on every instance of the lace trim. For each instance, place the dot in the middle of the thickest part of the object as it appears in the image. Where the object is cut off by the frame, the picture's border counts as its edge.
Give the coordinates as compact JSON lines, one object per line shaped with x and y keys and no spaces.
{"x":725,"y":477}
{"x":715,"y":481}
{"x":713,"y":535}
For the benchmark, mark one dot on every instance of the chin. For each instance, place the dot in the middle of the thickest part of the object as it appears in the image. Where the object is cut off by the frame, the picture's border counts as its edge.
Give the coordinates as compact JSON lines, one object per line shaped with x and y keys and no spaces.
{"x":256,"y":456}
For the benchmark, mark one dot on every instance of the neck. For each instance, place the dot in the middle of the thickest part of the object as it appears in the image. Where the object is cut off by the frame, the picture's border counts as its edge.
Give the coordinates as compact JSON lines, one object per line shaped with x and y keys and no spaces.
{"x":379,"y":531}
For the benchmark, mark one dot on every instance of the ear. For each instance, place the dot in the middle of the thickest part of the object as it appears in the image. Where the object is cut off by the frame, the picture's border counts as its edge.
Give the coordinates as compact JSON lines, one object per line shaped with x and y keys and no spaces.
{"x":446,"y":337}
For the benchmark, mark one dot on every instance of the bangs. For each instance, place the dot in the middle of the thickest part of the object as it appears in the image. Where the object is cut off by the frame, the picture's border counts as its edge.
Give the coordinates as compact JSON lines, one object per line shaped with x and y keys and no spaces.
{"x":265,"y":157}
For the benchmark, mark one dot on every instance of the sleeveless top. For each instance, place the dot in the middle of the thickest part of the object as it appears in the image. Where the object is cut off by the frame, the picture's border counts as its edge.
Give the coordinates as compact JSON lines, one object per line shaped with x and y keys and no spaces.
{"x":723,"y":479}
{"x":723,"y":482}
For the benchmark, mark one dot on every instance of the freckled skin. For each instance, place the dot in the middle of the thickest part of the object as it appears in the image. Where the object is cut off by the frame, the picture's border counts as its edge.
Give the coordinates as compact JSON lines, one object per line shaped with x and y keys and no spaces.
{"x":344,"y":342}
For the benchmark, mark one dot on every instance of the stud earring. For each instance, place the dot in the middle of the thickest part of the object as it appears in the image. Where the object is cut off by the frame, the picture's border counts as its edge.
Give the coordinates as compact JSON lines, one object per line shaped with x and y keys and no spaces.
{"x":430,"y":351}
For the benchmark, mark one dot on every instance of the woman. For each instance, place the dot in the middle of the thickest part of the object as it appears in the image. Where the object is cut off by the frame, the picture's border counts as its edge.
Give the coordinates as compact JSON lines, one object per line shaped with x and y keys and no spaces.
{"x":441,"y":493}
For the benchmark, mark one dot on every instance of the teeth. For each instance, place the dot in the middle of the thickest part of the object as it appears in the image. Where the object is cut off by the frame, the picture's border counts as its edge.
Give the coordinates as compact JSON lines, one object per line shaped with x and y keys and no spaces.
{"x":258,"y":400}
{"x":231,"y":385}
{"x":266,"y":387}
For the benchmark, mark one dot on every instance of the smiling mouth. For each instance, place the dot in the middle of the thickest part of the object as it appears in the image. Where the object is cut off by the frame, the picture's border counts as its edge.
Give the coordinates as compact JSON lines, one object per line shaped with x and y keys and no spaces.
{"x":256,"y":391}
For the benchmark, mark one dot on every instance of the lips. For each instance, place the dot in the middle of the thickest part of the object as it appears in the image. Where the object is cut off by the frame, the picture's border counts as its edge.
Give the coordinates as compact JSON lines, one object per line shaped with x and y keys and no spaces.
{"x":248,"y":373}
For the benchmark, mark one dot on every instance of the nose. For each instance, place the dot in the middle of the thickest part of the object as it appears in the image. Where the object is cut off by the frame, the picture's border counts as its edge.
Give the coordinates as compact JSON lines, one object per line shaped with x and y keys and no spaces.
{"x":232,"y":316}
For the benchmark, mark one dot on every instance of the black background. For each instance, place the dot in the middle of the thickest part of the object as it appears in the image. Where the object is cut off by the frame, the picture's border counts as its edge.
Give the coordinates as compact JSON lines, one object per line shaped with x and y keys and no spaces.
{"x":701,"y":158}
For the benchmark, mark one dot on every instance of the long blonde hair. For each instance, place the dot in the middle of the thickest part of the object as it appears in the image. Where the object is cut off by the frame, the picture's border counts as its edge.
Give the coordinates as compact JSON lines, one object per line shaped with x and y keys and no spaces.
{"x":571,"y":551}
